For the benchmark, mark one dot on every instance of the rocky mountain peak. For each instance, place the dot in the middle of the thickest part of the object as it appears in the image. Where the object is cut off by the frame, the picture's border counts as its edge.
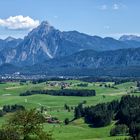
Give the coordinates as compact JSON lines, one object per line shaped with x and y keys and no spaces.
{"x":43,"y":29}
{"x":45,"y":23}
{"x":130,"y":38}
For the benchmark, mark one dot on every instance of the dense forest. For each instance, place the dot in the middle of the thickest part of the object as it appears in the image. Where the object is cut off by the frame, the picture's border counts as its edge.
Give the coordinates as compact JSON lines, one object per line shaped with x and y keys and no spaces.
{"x":64,"y":92}
{"x":126,"y":114}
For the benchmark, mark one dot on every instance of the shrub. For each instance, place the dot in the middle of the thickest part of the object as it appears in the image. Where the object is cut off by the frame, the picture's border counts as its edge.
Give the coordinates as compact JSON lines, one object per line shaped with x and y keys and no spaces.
{"x":119,"y":130}
{"x":66,"y":121}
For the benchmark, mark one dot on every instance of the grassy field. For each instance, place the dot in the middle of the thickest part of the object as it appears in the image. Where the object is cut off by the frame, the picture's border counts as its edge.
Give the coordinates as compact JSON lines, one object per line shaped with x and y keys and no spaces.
{"x":77,"y":130}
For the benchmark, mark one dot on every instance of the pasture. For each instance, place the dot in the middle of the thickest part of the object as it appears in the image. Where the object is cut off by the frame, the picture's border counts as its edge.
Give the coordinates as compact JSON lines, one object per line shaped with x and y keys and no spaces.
{"x":76,"y":130}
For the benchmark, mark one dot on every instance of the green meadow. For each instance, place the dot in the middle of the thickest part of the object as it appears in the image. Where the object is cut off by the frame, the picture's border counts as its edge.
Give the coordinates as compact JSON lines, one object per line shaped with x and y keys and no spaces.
{"x":76,"y":130}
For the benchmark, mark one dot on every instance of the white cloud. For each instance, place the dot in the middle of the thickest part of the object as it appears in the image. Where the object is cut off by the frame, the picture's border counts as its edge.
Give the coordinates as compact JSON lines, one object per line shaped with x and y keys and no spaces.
{"x":19,"y":23}
{"x":104,"y":7}
{"x":116,"y":7}
{"x":107,"y":27}
{"x":55,"y":17}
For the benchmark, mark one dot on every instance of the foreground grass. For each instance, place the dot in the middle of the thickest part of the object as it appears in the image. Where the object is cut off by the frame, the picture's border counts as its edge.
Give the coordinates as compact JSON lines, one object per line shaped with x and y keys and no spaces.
{"x":78,"y":130}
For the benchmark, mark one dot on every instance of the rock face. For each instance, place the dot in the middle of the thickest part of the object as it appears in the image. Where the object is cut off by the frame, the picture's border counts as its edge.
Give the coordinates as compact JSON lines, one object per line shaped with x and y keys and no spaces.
{"x":9,"y":43}
{"x":39,"y":45}
{"x":93,"y":59}
{"x":8,"y":49}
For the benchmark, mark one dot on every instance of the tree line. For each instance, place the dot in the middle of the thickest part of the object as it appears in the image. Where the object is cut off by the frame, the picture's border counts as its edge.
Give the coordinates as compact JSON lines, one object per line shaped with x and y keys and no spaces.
{"x":10,"y":108}
{"x":116,"y":80}
{"x":63,"y":92}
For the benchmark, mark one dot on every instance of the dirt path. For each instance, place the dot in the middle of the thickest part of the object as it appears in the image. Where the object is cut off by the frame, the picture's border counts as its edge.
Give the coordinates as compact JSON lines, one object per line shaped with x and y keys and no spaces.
{"x":8,"y":88}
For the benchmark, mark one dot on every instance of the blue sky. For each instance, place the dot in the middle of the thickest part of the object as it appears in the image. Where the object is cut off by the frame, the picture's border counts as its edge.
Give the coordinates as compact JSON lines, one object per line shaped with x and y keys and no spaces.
{"x":94,"y":17}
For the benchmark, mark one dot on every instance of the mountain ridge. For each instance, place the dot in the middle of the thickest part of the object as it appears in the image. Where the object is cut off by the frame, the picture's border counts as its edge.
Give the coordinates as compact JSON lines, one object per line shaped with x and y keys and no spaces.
{"x":45,"y":43}
{"x":49,"y":48}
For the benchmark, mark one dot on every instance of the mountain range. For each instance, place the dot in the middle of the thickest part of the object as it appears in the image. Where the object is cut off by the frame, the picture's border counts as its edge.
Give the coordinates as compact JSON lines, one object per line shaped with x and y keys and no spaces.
{"x":51,"y":51}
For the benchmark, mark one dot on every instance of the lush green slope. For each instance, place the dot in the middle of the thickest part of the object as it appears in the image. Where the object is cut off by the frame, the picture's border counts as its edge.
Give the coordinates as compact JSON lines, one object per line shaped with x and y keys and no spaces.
{"x":77,"y":130}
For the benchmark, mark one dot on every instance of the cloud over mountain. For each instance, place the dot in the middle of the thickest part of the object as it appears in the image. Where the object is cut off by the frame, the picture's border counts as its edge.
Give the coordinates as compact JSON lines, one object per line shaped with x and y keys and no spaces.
{"x":19,"y":22}
{"x":116,"y":6}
